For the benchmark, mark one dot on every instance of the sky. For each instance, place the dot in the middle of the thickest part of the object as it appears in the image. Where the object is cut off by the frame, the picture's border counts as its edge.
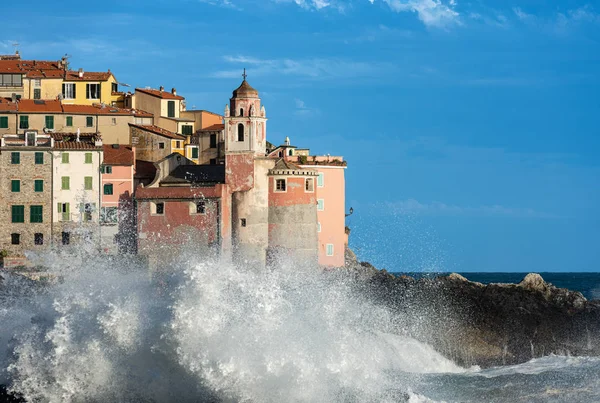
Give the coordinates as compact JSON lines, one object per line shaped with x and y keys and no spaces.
{"x":471,"y":128}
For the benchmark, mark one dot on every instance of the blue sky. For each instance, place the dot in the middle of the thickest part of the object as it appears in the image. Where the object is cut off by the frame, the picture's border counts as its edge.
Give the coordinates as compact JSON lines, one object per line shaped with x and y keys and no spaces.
{"x":470,"y":127}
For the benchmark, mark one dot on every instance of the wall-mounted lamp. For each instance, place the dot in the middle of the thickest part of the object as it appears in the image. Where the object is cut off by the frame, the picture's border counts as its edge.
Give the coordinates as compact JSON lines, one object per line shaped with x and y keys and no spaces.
{"x":351,"y":212}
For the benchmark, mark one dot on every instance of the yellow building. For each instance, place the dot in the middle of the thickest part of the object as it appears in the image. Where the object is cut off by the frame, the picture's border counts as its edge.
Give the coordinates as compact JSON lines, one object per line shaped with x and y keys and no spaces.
{"x":38,"y":79}
{"x":167,"y":107}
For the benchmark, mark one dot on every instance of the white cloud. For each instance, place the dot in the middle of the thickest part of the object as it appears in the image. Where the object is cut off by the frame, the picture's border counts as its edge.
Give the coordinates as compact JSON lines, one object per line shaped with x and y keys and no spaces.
{"x":414,"y":207}
{"x":559,"y":23}
{"x":433,"y":13}
{"x":303,"y":110}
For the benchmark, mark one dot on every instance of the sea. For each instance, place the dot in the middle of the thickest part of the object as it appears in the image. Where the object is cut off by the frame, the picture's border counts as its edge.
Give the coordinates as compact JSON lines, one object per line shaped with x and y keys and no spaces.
{"x":201,"y":330}
{"x":586,"y":283}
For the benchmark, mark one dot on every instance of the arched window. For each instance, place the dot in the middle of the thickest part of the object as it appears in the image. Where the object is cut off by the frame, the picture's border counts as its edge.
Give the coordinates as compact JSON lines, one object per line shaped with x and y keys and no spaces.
{"x":290,"y":152}
{"x":241,"y":111}
{"x":240,"y":132}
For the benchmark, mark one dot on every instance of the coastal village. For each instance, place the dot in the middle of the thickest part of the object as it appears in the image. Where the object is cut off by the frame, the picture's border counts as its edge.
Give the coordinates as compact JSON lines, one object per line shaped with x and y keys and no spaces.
{"x":85,"y":164}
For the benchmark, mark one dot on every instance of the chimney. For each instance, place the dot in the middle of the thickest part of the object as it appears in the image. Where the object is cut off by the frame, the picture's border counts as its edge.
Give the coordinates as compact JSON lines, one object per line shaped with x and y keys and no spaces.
{"x":161,"y":88}
{"x":173,"y":91}
{"x":80,"y":73}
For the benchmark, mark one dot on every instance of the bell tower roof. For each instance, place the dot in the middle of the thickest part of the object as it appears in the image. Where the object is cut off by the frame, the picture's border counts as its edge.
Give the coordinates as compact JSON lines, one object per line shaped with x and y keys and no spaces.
{"x":245,"y":90}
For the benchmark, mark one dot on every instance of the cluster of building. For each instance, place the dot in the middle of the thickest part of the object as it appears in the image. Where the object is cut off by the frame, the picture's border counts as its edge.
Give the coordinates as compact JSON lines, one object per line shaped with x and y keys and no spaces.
{"x":85,"y":164}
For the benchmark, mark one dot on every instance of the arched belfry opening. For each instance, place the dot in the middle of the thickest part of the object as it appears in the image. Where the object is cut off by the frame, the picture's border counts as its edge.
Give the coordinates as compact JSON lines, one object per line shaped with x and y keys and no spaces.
{"x":240,"y":132}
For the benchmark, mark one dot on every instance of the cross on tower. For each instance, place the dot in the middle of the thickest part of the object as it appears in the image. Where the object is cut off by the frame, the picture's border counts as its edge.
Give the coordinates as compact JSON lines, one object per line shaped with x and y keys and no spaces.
{"x":245,"y":75}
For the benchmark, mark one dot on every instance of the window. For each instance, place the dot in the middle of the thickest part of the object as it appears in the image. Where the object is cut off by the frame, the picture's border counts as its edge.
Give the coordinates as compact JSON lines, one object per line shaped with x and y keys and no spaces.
{"x":37,"y":93}
{"x":86,"y":209}
{"x":320,"y":180}
{"x":11,"y":80}
{"x":114,"y":87}
{"x":23,"y":122}
{"x":89,"y":121}
{"x":69,"y":121}
{"x":318,"y":227}
{"x":161,"y":146}
{"x":38,"y":185}
{"x":68,"y":91}
{"x":171,"y":109}
{"x":108,"y":189}
{"x":241,"y":111}
{"x":213,"y":141}
{"x":106,"y":169}
{"x":64,"y":211}
{"x":66,"y":238}
{"x":15,"y":158}
{"x":87,"y":182}
{"x":39,"y":158}
{"x":3,"y":122}
{"x":114,"y":121}
{"x":65,"y":183}
{"x":243,"y":222}
{"x":187,"y":129}
{"x":309,"y":185}
{"x":108,"y":215}
{"x":320,"y":204}
{"x":64,"y":158}
{"x":36,"y":214}
{"x":92,"y":91}
{"x":280,"y":185}
{"x":329,"y":249}
{"x":49,"y":122}
{"x":240,"y":132}
{"x":15,"y":239}
{"x":177,"y":144}
{"x":200,"y":207}
{"x":291,"y":152}
{"x":37,"y":82}
{"x":160,"y":208}
{"x":195,"y":152}
{"x":88,"y":158}
{"x":15,"y":185}
{"x":18,"y":214}
{"x":213,"y":161}
{"x":38,"y":238}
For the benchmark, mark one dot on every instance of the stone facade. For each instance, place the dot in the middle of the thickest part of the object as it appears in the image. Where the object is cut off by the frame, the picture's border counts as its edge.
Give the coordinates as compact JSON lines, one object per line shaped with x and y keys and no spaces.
{"x":27,"y":171}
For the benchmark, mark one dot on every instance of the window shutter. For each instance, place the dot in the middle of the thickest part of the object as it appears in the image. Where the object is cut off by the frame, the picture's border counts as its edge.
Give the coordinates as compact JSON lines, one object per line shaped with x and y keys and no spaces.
{"x":69,"y":121}
{"x":74,"y":86}
{"x":67,"y":208}
{"x":88,"y":183}
{"x":63,"y":91}
{"x":88,"y":158}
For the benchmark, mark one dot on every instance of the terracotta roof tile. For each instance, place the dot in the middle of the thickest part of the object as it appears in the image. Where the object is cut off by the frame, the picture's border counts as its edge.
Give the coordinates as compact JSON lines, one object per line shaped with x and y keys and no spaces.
{"x":25,"y":66}
{"x":115,"y":154}
{"x":97,"y":109}
{"x":159,"y":130}
{"x":159,"y":94}
{"x":73,"y":145}
{"x":72,"y":137}
{"x":87,"y":76}
{"x":38,"y":105}
{"x":213,"y":128}
{"x":176,"y":192}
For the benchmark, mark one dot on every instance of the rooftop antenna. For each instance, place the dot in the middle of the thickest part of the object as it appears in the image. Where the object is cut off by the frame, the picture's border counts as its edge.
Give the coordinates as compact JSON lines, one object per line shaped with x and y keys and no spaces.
{"x":245,"y":75}
{"x":66,"y":58}
{"x":16,"y":46}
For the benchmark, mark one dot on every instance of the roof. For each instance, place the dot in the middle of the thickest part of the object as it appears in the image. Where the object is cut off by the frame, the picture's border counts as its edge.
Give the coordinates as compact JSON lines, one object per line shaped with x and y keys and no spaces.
{"x":196,"y":174}
{"x":203,"y":111}
{"x":88,"y":76}
{"x":176,"y":192}
{"x":56,"y":106}
{"x":68,"y":141}
{"x":158,"y":130}
{"x":245,"y":90}
{"x":39,"y":67}
{"x":213,"y":128}
{"x":145,"y":169}
{"x":159,"y":94}
{"x":285,"y":167}
{"x":99,"y":109}
{"x":73,"y":145}
{"x":115,"y":154}
{"x":38,"y":105}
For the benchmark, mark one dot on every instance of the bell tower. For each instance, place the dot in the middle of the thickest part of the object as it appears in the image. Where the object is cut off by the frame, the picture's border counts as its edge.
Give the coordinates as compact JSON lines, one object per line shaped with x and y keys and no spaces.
{"x":245,"y":121}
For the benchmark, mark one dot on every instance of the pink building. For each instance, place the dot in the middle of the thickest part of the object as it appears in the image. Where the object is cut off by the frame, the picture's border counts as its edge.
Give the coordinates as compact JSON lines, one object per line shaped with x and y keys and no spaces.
{"x":116,"y":192}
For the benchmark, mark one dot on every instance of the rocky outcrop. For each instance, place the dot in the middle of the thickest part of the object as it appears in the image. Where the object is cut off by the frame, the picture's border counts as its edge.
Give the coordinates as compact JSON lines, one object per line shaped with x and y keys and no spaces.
{"x":487,"y":325}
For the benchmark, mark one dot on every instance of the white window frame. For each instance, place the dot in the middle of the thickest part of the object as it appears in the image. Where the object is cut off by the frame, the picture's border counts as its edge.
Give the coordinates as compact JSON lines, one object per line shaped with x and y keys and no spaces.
{"x":284,"y":184}
{"x":329,"y":245}
{"x":88,"y":89}
{"x":321,"y":204}
{"x":37,"y":83}
{"x":69,"y":94}
{"x":153,"y":208}
{"x":321,"y":180}
{"x":311,"y":188}
{"x":318,"y":227}
{"x":194,"y":207}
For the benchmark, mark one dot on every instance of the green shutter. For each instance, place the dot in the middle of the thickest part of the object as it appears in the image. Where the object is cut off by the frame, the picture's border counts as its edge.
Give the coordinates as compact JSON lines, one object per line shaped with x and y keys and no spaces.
{"x":39,"y":158}
{"x":65,"y":158}
{"x":15,"y":158}
{"x":36,"y":214}
{"x":69,"y":121}
{"x":23,"y":122}
{"x":15,"y":185}
{"x":39,"y":185}
{"x":18,"y":214}
{"x":89,"y":121}
{"x":108,"y":189}
{"x":65,"y":183}
{"x":88,"y":158}
{"x":194,"y":152}
{"x":49,"y":122}
{"x":171,"y":109}
{"x":88,"y":182}
{"x":3,"y":122}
